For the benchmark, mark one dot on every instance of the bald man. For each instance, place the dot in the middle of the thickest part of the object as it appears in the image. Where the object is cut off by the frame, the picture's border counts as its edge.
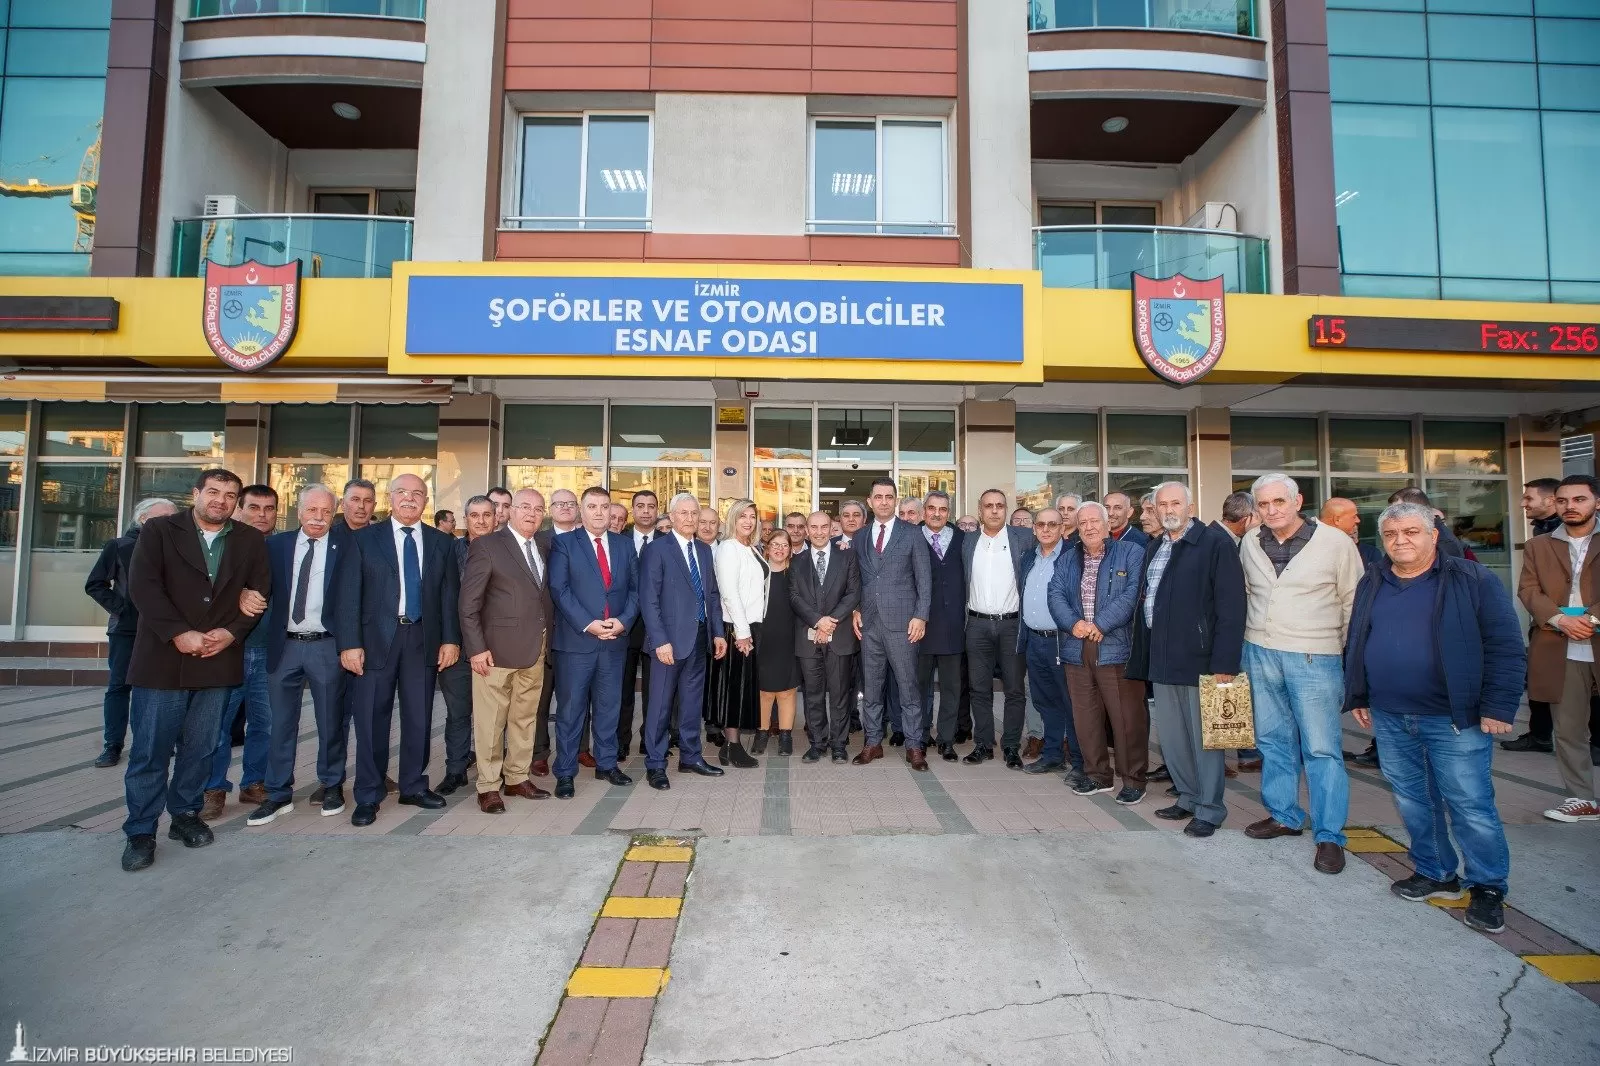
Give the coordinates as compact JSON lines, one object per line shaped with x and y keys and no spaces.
{"x":1343,"y":515}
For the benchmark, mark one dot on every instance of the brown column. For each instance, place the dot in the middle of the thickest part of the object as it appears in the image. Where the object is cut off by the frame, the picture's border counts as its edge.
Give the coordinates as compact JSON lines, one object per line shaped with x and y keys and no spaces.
{"x":1305,"y":146}
{"x":130,"y":146}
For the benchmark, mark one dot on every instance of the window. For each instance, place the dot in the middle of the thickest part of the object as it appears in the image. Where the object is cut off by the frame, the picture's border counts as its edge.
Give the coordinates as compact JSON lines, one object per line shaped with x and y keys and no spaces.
{"x":588,"y":171}
{"x":806,"y":458}
{"x":1057,"y":452}
{"x":77,"y":495}
{"x":311,"y":444}
{"x":1368,"y":459}
{"x":1466,"y":479}
{"x":879,"y":176}
{"x":1270,"y":445}
{"x":173,"y":443}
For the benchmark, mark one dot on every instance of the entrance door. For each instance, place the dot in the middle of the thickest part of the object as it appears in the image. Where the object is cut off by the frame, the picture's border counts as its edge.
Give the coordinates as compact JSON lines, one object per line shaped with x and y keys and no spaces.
{"x":836,"y":484}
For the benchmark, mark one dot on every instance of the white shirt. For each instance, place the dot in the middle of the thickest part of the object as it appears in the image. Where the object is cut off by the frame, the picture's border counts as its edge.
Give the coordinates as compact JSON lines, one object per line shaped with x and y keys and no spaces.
{"x":872,"y":531}
{"x":400,"y":555}
{"x":319,"y":562}
{"x":640,"y":539}
{"x":994,"y":577}
{"x":598,"y":542}
{"x":522,"y":549}
{"x":686,"y":545}
{"x":1578,"y":651}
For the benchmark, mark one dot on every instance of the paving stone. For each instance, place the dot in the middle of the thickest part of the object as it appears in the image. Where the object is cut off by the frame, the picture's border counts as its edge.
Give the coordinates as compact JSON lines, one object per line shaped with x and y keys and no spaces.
{"x":574,"y":1032}
{"x":652,"y":942}
{"x":608,"y":944}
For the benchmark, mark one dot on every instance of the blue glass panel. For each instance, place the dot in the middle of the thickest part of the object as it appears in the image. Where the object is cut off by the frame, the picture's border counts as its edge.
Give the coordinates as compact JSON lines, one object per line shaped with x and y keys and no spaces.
{"x":1569,"y":88}
{"x":1481,"y":7}
{"x":55,"y":53}
{"x":46,"y":126}
{"x":844,"y":178}
{"x":551,"y":152}
{"x":1383,"y":174}
{"x":1379,"y":81}
{"x":1491,"y":193}
{"x":1373,"y":5}
{"x":89,"y":14}
{"x":1575,"y":8}
{"x":1480,"y":37}
{"x":1571,"y":161}
{"x":1536,"y":292}
{"x":44,"y":264}
{"x":1397,"y":288}
{"x":619,"y":168}
{"x":1570,"y":40}
{"x":1485,"y":84}
{"x":1364,"y":33}
{"x":1575,"y":292}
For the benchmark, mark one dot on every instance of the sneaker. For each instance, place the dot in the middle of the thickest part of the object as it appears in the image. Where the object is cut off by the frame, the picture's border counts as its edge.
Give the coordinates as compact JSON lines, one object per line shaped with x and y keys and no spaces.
{"x":110,"y":756}
{"x":1130,"y":795}
{"x":269,"y":812}
{"x":1083,"y":785}
{"x":1575,"y":810}
{"x":317,"y":794}
{"x":139,"y":853}
{"x":332,"y":801}
{"x":1417,"y":888}
{"x":1485,"y":912}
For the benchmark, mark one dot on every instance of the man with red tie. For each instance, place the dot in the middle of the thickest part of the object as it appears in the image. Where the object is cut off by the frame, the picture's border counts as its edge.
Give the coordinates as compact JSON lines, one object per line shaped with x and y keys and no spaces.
{"x":594,"y":584}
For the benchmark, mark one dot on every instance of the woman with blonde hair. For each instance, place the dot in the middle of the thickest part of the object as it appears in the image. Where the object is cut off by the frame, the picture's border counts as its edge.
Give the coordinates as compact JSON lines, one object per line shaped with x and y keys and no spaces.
{"x":777,"y":669}
{"x":742,"y":576}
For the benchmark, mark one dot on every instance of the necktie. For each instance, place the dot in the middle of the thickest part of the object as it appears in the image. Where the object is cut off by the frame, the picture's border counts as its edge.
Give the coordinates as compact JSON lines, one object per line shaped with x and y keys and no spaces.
{"x":533,"y":564}
{"x":411,"y":567}
{"x":605,"y":564}
{"x":822,"y":565}
{"x":880,"y":538}
{"x":938,"y":545}
{"x":302,"y":584}
{"x":699,"y":589}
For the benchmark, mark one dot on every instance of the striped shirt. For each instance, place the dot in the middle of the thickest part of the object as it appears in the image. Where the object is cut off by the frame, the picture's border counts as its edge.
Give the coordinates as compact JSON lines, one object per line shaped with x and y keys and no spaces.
{"x":1091,"y":581}
{"x":1158,"y":566}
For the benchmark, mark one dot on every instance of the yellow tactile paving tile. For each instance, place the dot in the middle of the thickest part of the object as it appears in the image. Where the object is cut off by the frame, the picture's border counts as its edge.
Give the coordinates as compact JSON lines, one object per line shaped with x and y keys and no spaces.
{"x":1568,"y":969}
{"x":1361,"y":832}
{"x":617,"y":982}
{"x":659,"y":853}
{"x":1370,"y":845}
{"x":1451,"y":904}
{"x":641,"y":907}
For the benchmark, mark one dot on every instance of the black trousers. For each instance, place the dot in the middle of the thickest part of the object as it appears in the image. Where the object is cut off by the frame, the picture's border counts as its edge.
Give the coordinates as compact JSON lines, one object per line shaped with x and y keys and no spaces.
{"x":952,"y":680}
{"x":991,"y":641}
{"x":637,"y":660}
{"x":455,"y":684}
{"x":829,"y":684}
{"x":411,"y":674}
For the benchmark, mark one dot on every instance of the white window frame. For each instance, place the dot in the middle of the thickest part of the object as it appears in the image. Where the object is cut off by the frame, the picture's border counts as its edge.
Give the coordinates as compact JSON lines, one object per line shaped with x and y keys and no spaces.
{"x":581,"y":220}
{"x":878,"y":226}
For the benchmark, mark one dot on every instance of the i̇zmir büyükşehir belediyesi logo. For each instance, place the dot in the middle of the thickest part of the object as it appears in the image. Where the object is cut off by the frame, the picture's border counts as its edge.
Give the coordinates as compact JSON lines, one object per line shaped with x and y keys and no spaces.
{"x":1178,"y":326}
{"x":250,"y":312}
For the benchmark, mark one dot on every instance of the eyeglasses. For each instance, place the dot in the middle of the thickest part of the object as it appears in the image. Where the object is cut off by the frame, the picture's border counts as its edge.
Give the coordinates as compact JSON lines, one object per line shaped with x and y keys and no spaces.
{"x":565,"y":503}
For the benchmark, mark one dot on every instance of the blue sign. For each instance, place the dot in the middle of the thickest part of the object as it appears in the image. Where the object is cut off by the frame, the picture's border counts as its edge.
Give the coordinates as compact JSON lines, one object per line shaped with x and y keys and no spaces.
{"x":715,"y":317}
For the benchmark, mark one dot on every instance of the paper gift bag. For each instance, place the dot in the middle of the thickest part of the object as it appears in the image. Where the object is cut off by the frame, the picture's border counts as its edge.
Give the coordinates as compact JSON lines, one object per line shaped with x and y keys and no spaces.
{"x":1226,"y":718}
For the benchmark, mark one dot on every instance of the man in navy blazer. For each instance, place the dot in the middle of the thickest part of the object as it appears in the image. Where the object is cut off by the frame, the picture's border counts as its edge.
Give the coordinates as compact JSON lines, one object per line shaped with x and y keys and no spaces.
{"x":302,"y":654}
{"x":594,"y":583}
{"x":398,"y":626}
{"x":675,"y":603}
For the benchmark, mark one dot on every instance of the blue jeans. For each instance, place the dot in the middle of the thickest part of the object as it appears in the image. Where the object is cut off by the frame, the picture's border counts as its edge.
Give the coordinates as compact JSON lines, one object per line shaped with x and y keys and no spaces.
{"x":173,"y":728}
{"x":1298,"y":698}
{"x":1435,"y":769}
{"x":1048,"y":684}
{"x":118,"y":692}
{"x":255,"y":694}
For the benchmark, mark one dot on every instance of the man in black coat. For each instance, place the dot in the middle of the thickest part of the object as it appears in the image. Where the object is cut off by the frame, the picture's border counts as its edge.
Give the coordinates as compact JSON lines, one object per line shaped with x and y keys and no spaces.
{"x":186,"y":577}
{"x":108,"y":586}
{"x":825,"y":590}
{"x":945,"y":644}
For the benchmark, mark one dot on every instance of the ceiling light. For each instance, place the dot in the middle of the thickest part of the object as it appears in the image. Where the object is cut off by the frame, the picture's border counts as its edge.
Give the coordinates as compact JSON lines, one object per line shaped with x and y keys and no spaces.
{"x":642,"y":438}
{"x":1114,"y":124}
{"x":853,"y":184}
{"x":346,"y":111}
{"x":623,"y":180}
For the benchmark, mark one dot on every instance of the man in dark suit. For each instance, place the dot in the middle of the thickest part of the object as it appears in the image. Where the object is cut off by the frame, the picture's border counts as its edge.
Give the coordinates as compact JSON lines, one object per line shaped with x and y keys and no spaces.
{"x":992,"y":561}
{"x":594,"y":583}
{"x":642,"y":532}
{"x":564,"y":518}
{"x":186,"y":578}
{"x":896,"y":587}
{"x":678,"y":598}
{"x":825,"y":591}
{"x":506,"y":614}
{"x":397,"y":626}
{"x":301,"y":654}
{"x":946,"y":642}
{"x":107,"y":585}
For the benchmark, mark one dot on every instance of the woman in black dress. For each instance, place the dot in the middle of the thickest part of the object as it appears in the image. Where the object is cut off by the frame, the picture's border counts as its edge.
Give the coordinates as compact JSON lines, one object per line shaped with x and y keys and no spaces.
{"x":742,"y":587}
{"x":777,"y":670}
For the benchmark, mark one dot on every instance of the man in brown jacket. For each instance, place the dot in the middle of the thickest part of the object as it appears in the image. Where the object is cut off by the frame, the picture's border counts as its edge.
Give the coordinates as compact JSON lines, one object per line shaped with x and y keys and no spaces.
{"x":186,"y":577}
{"x":1560,"y":587}
{"x":505,"y":623}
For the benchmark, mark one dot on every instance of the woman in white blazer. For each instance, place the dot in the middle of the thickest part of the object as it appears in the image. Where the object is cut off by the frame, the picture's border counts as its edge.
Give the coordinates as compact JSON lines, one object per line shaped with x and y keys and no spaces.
{"x":742,"y":584}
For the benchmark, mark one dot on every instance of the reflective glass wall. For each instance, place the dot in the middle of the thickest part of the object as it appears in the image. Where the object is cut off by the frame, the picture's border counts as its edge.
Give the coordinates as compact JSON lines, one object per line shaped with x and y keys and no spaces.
{"x":1466,"y":135}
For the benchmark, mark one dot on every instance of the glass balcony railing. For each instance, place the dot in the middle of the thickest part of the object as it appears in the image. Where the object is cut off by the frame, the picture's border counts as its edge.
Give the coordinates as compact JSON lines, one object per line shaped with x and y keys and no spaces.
{"x":328,"y":246}
{"x":389,"y":9}
{"x":1214,"y":16}
{"x":1107,"y":257}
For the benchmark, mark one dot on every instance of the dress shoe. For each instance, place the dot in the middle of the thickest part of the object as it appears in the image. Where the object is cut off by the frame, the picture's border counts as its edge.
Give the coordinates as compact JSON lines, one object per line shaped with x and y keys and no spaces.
{"x":785,"y":743}
{"x":918,"y":758}
{"x":527,"y":790}
{"x":613,"y":776}
{"x":110,"y":756}
{"x":211,"y":809}
{"x":813,"y":754}
{"x":703,"y":768}
{"x":190,"y":830}
{"x":491,"y":803}
{"x":758,"y":744}
{"x":1526,"y":742}
{"x":451,"y":783}
{"x":332,"y":800}
{"x":947,"y":752}
{"x":657,"y":779}
{"x":427,"y":799}
{"x":364,"y":814}
{"x":1043,"y":766}
{"x":1033,"y":748}
{"x":317,"y":794}
{"x":1199,"y":827}
{"x":978,"y":755}
{"x":253,"y":795}
{"x":1174,"y":813}
{"x":1249,"y":766}
{"x":896,"y":739}
{"x":1172,"y":790}
{"x":1368,"y":758}
{"x":1013,"y":759}
{"x":1160,"y":773}
{"x":841,"y":755}
{"x":389,"y":786}
{"x":269,"y":811}
{"x":1268,"y":828}
{"x":140,"y":852}
{"x":623,"y":751}
{"x":564,"y":789}
{"x":541,"y":768}
{"x":1330,"y":858}
{"x":585,"y":759}
{"x":868,"y":754}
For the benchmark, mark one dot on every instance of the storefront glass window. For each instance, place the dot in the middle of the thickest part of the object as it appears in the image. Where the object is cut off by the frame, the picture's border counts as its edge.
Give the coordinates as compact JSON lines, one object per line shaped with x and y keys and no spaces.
{"x":1310,"y":486}
{"x":1468,"y":448}
{"x":381,"y":474}
{"x":927,"y":437}
{"x":1058,"y":438}
{"x":1370,"y":495}
{"x":13,"y":427}
{"x":665,"y":481}
{"x":82,"y":430}
{"x":310,"y":431}
{"x":1369,"y":446}
{"x":175,"y":483}
{"x":547,"y":479}
{"x":10,"y":505}
{"x":855,"y":435}
{"x":179,"y":430}
{"x":655,"y":434}
{"x":782,"y":434}
{"x":1475,"y":511}
{"x":1274,"y":444}
{"x":1156,"y":441}
{"x":919,"y":483}
{"x":562,"y":432}
{"x":289,"y":478}
{"x":779,"y":490}
{"x":76,"y":507}
{"x":399,"y":431}
{"x":1137,"y":484}
{"x":1040,"y":488}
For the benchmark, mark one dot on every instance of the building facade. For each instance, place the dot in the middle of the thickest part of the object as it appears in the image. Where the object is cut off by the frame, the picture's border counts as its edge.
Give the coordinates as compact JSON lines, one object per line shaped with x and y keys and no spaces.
{"x":776,"y":250}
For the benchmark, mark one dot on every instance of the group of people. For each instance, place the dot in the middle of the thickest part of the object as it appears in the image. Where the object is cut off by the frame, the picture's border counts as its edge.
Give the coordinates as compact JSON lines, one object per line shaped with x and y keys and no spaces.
{"x":1099,"y":629}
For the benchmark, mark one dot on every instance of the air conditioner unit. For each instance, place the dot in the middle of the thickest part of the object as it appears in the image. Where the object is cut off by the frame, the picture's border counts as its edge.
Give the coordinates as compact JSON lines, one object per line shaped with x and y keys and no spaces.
{"x":1215,"y":215}
{"x":224,"y":204}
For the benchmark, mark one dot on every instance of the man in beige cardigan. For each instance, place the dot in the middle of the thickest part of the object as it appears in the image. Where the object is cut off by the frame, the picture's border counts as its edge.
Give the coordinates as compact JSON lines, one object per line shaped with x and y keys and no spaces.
{"x":1300,"y":581}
